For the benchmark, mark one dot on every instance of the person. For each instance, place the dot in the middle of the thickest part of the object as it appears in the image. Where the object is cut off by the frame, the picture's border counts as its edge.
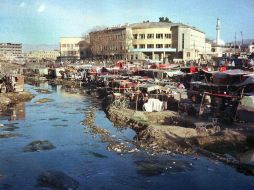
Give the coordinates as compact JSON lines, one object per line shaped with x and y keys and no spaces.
{"x":181,"y":86}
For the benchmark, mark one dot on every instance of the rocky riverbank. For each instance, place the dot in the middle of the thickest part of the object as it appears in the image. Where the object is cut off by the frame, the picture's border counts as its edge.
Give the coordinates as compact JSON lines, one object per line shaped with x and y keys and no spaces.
{"x":7,"y":99}
{"x":167,"y":131}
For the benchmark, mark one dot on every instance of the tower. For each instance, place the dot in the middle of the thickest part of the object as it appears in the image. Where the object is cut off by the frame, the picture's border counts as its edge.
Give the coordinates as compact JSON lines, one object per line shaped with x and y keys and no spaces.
{"x":218,"y":32}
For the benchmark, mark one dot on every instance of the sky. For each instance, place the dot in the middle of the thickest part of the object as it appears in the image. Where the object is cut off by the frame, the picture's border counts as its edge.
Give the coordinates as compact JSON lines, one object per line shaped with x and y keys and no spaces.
{"x":45,"y":21}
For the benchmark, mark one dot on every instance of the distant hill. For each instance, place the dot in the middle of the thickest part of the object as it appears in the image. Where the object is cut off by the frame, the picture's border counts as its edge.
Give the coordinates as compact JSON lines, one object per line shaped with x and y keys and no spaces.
{"x":43,"y":47}
{"x":245,"y":41}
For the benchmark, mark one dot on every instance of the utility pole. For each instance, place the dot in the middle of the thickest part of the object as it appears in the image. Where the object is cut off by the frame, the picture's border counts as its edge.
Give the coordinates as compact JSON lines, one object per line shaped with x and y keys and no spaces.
{"x":242,"y":39}
{"x":235,"y":44}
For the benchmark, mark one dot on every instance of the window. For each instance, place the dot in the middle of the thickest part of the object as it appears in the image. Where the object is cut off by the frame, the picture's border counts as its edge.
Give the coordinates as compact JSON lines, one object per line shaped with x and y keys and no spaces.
{"x":150,"y":36}
{"x":150,"y":45}
{"x":167,"y":45}
{"x":142,"y":46}
{"x":135,"y":36}
{"x":182,"y":40}
{"x":159,"y":46}
{"x":188,"y":54}
{"x":141,"y":36}
{"x":135,"y":46}
{"x":159,"y":36}
{"x":168,"y":36}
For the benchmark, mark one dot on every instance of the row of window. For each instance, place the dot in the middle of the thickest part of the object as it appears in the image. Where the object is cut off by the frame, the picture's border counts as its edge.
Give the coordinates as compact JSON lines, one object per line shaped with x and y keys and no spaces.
{"x":143,"y":46}
{"x":151,"y":36}
{"x":69,"y":45}
{"x":111,"y":48}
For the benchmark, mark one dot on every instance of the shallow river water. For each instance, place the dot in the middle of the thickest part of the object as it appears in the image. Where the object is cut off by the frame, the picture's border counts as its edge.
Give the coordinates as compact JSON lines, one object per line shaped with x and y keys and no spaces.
{"x":84,"y":157}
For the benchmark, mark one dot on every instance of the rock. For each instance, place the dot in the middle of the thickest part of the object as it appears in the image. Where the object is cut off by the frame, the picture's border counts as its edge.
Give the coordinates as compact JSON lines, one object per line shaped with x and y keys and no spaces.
{"x":43,"y":91}
{"x":4,"y":101}
{"x":44,"y":100}
{"x":157,"y":167}
{"x":7,"y":135}
{"x":38,"y":146}
{"x":57,"y":180}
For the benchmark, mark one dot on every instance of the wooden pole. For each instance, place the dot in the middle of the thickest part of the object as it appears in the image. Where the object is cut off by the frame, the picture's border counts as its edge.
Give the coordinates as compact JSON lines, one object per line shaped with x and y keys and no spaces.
{"x":201,"y":104}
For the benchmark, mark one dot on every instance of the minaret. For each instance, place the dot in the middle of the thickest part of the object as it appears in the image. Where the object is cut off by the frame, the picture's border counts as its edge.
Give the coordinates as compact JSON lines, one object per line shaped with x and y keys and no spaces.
{"x":218,"y":32}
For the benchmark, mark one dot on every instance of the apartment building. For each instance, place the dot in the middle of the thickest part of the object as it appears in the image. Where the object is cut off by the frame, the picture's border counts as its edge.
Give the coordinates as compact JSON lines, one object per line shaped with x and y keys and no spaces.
{"x":69,"y":48}
{"x":10,"y":51}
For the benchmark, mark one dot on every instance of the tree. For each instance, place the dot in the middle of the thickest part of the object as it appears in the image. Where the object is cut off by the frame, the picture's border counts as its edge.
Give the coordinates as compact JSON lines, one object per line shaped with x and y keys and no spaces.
{"x":164,"y":19}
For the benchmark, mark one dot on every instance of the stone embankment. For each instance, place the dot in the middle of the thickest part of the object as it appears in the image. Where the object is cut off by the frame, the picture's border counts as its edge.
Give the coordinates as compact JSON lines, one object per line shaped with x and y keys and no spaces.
{"x":168,"y":131}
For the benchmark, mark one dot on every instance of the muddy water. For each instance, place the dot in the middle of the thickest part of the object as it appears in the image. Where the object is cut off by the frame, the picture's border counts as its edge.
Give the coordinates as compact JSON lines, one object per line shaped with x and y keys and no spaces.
{"x":82,"y":152}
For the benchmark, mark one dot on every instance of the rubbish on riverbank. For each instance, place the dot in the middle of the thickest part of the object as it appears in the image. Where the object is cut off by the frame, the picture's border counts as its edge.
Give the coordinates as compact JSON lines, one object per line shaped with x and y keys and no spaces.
{"x":38,"y":146}
{"x":56,"y":180}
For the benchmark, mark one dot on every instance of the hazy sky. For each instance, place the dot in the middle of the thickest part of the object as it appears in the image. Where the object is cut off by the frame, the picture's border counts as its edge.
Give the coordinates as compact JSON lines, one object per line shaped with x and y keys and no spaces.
{"x":44,"y":21}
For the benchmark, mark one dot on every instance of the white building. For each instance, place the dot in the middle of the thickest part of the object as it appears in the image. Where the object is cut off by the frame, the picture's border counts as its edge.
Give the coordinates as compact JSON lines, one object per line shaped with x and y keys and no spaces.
{"x":69,"y":48}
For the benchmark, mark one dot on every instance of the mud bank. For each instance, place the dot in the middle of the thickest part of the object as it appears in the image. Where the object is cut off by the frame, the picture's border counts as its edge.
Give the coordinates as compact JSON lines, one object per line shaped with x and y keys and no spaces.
{"x":168,"y":131}
{"x":13,"y":98}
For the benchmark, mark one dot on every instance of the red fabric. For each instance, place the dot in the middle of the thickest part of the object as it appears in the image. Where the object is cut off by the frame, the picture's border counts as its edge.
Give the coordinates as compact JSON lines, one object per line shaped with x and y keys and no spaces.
{"x":222,"y":69}
{"x":193,"y":69}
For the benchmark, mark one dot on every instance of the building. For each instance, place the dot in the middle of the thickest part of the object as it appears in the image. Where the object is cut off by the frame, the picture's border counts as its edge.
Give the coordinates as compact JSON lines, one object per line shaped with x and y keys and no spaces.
{"x":190,"y":43}
{"x":109,"y":43}
{"x":138,"y":41}
{"x":151,"y":40}
{"x":69,"y":48}
{"x":44,"y":55}
{"x":158,"y":41}
{"x":251,"y":48}
{"x":10,"y":51}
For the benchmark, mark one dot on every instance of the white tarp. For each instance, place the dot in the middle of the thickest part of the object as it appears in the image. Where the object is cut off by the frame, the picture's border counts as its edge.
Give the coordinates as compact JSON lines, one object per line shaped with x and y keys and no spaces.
{"x":153,"y":105}
{"x":174,"y":73}
{"x":248,"y":101}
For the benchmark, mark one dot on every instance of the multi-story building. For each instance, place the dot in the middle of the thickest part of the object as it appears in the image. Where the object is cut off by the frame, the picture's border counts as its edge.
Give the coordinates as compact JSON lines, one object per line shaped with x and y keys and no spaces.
{"x":150,"y":40}
{"x":190,"y":43}
{"x":10,"y":50}
{"x":46,"y":55}
{"x":251,"y":48}
{"x":69,"y":48}
{"x":136,"y":41}
{"x":109,"y":43}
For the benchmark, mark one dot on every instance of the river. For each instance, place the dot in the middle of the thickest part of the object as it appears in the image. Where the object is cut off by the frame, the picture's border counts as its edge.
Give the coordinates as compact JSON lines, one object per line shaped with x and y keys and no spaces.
{"x":83,"y":155}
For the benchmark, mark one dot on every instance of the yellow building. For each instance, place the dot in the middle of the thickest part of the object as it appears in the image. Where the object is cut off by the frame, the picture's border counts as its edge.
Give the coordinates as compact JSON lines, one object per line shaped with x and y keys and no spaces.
{"x":47,"y":55}
{"x":151,"y":40}
{"x":69,"y":48}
